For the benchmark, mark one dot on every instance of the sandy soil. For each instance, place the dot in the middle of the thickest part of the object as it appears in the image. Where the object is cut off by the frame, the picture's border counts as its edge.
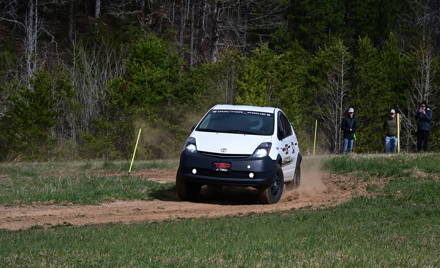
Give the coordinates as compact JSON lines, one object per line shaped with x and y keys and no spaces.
{"x":317,"y":190}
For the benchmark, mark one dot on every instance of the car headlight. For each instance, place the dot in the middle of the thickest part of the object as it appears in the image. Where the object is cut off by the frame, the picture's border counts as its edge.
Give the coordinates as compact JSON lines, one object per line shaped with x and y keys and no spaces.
{"x":262,"y":150}
{"x":190,"y":145}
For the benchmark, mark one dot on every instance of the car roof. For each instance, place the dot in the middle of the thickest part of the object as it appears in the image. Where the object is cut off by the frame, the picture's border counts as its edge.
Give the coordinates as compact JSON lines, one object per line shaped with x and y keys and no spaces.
{"x":244,"y":108}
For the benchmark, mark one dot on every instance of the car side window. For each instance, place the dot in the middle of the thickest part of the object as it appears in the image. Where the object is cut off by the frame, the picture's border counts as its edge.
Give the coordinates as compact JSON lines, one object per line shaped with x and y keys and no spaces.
{"x":281,"y":132}
{"x":286,"y":125}
{"x":280,"y":129}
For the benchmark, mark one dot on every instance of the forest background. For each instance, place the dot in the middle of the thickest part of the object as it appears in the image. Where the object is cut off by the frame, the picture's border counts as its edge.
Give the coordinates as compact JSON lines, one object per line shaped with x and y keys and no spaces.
{"x":79,"y":77}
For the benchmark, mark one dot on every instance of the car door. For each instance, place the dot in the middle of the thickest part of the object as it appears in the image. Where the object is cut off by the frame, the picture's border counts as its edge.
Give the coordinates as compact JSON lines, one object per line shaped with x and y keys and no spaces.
{"x":288,"y":146}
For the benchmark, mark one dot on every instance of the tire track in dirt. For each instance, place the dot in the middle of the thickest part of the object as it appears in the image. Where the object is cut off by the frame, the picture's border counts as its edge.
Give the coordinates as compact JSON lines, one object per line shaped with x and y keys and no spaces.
{"x":317,"y":190}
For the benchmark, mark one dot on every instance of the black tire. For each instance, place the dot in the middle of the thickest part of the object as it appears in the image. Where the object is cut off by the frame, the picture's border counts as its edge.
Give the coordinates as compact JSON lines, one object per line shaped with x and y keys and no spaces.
{"x":187,"y":191}
{"x":272,"y":194}
{"x":297,"y":176}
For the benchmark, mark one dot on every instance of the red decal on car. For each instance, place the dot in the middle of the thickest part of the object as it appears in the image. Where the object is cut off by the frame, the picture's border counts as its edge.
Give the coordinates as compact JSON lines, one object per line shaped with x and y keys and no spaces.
{"x":222,"y":165}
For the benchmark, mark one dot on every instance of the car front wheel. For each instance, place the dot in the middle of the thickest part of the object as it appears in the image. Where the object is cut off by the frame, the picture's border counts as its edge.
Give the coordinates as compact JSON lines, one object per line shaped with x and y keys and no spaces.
{"x":186,"y":191}
{"x":272,"y":194}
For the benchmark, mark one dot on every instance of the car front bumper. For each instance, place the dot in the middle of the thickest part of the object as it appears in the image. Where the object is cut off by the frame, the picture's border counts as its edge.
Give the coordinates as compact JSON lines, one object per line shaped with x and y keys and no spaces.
{"x":238,"y":174}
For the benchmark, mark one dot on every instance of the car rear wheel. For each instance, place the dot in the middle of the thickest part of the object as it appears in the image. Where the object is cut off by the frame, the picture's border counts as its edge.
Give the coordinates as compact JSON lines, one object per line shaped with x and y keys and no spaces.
{"x":272,"y":194}
{"x":297,"y":177}
{"x":187,"y":191}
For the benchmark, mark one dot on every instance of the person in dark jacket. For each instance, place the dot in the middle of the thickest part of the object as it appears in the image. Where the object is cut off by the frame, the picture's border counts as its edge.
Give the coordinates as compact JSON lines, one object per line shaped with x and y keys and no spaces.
{"x":424,"y":117}
{"x":348,"y":126}
{"x":390,"y":127}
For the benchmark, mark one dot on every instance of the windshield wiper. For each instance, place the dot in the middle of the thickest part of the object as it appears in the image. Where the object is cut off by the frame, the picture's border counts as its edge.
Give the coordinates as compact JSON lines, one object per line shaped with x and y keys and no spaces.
{"x":240,"y":132}
{"x":208,"y":129}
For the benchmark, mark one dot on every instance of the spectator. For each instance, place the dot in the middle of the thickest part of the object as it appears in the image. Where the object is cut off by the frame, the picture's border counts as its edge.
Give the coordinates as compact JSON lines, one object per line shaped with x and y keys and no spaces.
{"x":348,"y":126}
{"x":390,"y":127}
{"x":424,"y":117}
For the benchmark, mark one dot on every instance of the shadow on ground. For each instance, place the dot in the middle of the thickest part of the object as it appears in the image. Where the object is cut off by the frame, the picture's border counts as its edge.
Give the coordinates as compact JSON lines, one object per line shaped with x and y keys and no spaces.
{"x":220,"y":195}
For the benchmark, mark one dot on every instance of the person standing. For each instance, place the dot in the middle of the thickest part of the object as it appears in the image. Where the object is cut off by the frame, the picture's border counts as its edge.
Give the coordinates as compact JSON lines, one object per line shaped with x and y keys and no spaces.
{"x":424,"y":117}
{"x":390,"y":127}
{"x":348,"y":126}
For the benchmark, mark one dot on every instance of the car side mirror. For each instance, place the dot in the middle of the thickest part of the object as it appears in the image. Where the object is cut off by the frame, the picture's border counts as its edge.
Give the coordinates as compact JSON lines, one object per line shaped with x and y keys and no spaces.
{"x":193,"y":127}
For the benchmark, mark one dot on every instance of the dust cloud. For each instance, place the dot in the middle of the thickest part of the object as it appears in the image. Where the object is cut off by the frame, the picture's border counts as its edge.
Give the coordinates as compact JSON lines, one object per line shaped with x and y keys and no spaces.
{"x":312,"y":176}
{"x":312,"y":180}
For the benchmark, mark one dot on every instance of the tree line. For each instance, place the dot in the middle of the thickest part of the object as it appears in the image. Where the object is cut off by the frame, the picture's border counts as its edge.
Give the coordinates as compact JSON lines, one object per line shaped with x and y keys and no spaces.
{"x":78,"y":77}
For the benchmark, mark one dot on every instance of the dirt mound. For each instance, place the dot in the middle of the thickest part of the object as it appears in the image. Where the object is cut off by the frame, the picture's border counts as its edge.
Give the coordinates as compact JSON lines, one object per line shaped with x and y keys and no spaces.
{"x":317,"y":189}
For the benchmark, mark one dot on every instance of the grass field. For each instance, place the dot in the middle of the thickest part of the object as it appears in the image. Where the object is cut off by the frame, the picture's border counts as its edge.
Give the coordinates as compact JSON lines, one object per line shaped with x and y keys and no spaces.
{"x":76,"y":182}
{"x":399,"y":226}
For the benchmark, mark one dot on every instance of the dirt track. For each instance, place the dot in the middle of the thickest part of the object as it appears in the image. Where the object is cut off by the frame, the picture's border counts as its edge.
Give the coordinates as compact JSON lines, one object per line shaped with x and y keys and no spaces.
{"x":317,"y":190}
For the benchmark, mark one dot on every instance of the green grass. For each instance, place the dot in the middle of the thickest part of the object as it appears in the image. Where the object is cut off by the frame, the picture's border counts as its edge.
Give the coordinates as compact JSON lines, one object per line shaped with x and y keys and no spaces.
{"x":75,"y":182}
{"x":366,"y":232}
{"x":138,"y":165}
{"x":83,"y":189}
{"x":83,"y":166}
{"x":386,"y":165}
{"x":400,"y":227}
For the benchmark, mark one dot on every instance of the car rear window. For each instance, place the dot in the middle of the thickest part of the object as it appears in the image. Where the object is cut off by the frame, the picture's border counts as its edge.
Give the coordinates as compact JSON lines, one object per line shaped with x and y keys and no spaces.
{"x":233,"y":121}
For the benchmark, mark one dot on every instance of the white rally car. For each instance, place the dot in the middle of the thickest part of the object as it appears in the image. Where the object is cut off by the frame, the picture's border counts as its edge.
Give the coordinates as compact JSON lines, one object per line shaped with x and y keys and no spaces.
{"x":243,"y":146}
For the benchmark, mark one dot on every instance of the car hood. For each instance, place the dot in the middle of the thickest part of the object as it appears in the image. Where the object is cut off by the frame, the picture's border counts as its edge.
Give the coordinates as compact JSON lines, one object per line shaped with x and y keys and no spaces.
{"x":227,"y":143}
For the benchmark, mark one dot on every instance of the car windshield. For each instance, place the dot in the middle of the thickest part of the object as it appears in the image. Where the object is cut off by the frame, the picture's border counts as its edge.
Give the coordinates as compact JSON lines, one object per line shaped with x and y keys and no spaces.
{"x":233,"y":121}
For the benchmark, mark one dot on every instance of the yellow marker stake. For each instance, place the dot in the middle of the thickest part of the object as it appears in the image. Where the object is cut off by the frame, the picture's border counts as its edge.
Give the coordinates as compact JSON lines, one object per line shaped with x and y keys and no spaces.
{"x":398,"y":132}
{"x":135,"y":148}
{"x":314,"y":140}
